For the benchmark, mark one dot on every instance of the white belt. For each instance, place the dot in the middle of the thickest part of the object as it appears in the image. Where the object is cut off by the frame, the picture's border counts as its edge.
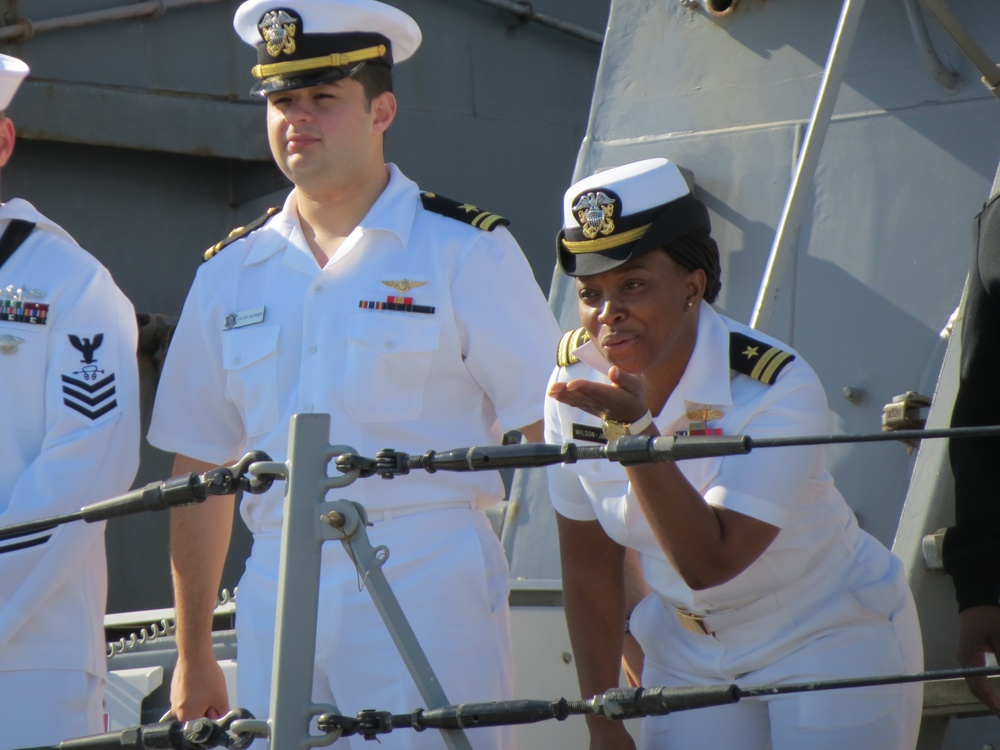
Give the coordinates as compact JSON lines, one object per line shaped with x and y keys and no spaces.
{"x":387,"y":514}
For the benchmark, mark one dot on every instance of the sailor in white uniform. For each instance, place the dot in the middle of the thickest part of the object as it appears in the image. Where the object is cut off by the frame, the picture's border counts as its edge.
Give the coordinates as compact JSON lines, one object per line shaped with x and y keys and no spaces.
{"x":759,"y":574}
{"x":70,"y":437}
{"x":414,"y":321}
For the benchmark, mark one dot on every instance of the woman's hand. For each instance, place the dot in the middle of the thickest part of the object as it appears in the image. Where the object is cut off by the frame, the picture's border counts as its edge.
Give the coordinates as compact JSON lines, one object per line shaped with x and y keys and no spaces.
{"x":622,"y":401}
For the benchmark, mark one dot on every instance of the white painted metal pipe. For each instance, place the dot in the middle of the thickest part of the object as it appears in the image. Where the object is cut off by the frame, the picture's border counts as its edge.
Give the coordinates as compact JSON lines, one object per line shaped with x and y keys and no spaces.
{"x":786,"y":237}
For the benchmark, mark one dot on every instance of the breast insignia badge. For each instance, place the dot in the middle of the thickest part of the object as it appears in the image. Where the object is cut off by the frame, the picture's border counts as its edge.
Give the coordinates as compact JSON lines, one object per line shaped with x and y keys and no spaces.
{"x":404,"y":285}
{"x":21,"y":293}
{"x":699,"y":419}
{"x":9,"y":344}
{"x":704,"y":414}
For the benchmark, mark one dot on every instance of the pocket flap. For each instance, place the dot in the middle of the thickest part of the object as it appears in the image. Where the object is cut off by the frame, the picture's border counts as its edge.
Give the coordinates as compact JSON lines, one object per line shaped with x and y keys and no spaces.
{"x":244,"y":346}
{"x":395,"y":334}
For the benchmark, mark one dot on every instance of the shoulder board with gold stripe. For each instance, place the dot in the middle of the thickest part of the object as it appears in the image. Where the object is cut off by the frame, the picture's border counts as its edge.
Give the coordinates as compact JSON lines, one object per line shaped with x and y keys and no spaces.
{"x":760,"y":361}
{"x":464,"y":212}
{"x":570,"y":341}
{"x":240,"y":232}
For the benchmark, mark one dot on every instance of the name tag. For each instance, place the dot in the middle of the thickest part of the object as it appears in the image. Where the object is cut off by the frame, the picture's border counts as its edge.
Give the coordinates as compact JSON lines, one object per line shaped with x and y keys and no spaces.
{"x":243,"y":318}
{"x":588,"y":432}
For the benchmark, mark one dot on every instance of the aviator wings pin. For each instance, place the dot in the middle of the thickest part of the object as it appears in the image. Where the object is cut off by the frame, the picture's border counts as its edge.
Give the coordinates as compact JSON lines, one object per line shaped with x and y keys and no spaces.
{"x":404,"y":285}
{"x":699,"y":419}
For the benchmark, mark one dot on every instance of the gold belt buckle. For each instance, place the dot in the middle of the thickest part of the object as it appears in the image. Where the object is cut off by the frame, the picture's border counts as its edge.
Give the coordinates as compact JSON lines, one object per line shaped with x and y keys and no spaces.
{"x":692,"y":622}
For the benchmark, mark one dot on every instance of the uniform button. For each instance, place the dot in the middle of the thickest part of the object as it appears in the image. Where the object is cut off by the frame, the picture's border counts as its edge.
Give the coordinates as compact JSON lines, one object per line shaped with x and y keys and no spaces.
{"x":318,"y":289}
{"x":312,"y":349}
{"x":236,"y":360}
{"x":594,"y":468}
{"x":309,"y":408}
{"x":389,"y":344}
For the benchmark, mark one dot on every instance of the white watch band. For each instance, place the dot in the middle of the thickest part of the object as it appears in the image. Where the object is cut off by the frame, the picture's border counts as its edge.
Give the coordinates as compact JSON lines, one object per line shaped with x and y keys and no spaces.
{"x":641,"y":423}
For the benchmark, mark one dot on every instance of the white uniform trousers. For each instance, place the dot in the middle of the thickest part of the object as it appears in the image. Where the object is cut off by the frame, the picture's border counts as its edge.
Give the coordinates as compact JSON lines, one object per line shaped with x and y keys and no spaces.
{"x":859,"y":621}
{"x":448,"y":571}
{"x":47,"y":706}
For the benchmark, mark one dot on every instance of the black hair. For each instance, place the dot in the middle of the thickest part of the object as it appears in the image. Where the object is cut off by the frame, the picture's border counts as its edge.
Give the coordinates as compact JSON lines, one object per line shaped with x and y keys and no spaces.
{"x":374,"y":78}
{"x":698,"y":250}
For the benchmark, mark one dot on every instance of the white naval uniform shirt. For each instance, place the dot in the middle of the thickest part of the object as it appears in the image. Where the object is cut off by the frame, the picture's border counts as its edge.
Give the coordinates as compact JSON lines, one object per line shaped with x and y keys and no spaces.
{"x":785,"y":487}
{"x":411,"y":381}
{"x":71,"y":437}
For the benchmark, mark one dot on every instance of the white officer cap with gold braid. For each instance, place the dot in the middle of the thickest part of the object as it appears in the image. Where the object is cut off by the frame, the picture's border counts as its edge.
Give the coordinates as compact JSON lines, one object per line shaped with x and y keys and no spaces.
{"x":619,"y":214}
{"x":12,"y":72}
{"x":304,"y":43}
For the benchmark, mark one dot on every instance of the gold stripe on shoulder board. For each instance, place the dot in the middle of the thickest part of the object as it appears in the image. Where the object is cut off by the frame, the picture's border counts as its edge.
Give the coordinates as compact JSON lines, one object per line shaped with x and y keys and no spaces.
{"x":239,"y":233}
{"x":570,"y":340}
{"x":757,"y":359}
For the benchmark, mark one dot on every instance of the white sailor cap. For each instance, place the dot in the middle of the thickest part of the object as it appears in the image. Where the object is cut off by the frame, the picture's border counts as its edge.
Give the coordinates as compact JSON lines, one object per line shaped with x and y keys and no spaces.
{"x":621,"y":213}
{"x":309,"y":42}
{"x":12,"y":72}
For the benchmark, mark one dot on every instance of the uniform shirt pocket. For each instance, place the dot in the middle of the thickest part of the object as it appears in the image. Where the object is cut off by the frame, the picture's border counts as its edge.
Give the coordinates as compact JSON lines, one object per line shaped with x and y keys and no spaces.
{"x":23,"y":348}
{"x":250,"y":359}
{"x":388,"y":363}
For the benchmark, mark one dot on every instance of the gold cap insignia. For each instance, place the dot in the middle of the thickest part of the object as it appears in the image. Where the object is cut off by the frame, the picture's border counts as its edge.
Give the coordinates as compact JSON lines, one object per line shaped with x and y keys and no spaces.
{"x":278,"y":28}
{"x":595,"y":212}
{"x":404,"y":285}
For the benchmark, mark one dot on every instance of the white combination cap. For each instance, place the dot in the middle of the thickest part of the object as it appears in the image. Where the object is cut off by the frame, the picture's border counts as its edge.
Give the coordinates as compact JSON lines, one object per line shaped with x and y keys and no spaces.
{"x":621,"y":213}
{"x":12,"y":72}
{"x":309,"y":42}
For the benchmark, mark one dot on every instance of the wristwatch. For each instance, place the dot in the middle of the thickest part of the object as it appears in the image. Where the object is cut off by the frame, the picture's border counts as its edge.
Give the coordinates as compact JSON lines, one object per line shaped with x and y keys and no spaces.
{"x":614,"y":430}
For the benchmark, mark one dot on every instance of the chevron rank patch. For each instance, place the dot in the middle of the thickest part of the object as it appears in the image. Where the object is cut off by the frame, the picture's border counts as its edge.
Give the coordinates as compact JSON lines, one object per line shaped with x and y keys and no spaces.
{"x":464,"y":212}
{"x":760,"y":361}
{"x":570,"y":340}
{"x":239,"y":233}
{"x":89,"y":390}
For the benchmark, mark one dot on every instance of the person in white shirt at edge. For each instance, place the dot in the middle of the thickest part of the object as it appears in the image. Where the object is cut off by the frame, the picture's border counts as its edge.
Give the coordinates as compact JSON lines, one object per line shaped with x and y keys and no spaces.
{"x":414,"y":321}
{"x":757,"y":571}
{"x":71,"y":437}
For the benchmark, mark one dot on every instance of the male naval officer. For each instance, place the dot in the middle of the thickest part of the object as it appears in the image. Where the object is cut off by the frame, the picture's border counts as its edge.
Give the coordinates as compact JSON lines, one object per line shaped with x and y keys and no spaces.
{"x":71,"y":437}
{"x":364,"y":298}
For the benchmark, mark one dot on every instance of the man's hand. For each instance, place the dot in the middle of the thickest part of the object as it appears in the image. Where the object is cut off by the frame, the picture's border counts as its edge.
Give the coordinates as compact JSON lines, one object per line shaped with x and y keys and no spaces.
{"x":198,"y":690}
{"x":978,"y":635}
